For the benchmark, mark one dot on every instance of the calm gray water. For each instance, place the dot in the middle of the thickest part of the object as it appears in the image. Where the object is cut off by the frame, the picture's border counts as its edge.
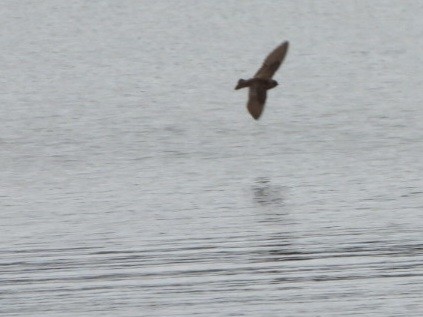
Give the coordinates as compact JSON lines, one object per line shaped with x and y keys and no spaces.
{"x":134,"y":182}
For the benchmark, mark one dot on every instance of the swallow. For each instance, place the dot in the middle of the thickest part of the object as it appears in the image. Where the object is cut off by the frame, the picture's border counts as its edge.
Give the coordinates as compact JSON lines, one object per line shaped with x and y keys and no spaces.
{"x":262,"y":80}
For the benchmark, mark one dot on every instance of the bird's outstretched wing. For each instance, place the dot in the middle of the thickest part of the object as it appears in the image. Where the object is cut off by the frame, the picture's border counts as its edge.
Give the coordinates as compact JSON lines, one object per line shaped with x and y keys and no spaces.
{"x":272,"y":62}
{"x":256,"y":100}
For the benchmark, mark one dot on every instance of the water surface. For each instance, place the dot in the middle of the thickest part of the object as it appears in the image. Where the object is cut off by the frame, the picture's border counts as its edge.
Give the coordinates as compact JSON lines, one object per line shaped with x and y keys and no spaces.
{"x":134,"y":182}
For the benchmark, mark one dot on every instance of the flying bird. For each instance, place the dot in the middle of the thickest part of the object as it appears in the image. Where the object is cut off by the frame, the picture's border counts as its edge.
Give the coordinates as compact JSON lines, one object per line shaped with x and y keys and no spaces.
{"x":262,"y":80}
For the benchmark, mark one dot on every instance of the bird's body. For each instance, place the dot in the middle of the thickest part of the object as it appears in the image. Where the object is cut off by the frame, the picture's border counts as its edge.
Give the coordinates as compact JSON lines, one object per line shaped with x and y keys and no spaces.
{"x":262,"y":80}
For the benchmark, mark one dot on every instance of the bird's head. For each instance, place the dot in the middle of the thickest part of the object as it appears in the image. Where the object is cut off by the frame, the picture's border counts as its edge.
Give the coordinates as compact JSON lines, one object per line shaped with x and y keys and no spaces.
{"x":272,"y":84}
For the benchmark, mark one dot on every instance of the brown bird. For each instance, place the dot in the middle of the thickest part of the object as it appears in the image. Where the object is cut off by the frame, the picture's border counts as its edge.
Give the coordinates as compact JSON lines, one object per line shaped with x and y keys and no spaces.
{"x":262,"y":80}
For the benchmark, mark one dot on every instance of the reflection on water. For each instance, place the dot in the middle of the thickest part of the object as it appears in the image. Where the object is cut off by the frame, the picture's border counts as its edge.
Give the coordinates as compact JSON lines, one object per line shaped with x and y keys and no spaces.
{"x":267,"y":194}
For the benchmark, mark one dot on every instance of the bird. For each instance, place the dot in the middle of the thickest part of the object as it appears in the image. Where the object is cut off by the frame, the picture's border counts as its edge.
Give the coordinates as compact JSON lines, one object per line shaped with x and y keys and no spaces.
{"x":262,"y":80}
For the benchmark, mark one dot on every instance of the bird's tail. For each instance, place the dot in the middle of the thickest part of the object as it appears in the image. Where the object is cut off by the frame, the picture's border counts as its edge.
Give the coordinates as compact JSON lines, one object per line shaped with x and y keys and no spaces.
{"x":241,"y":84}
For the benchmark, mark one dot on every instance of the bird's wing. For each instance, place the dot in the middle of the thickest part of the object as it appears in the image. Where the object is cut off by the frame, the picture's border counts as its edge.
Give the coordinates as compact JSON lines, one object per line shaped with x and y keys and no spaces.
{"x":272,"y":62}
{"x":256,"y":100}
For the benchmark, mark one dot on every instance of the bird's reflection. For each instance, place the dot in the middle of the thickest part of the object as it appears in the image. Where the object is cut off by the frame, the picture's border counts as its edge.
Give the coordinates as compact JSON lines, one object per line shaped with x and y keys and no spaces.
{"x":267,"y":194}
{"x":276,"y":241}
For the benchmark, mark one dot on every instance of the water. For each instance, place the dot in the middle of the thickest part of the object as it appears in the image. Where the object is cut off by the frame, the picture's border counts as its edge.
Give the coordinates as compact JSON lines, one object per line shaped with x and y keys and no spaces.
{"x":134,"y":182}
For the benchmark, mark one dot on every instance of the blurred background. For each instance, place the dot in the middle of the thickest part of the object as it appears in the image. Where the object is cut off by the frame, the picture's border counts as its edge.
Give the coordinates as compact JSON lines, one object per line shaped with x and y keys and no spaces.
{"x":133,"y":181}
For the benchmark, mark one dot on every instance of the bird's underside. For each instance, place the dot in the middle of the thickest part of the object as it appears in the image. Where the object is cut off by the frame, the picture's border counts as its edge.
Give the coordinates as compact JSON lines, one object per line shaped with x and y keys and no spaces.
{"x":257,"y":98}
{"x":262,"y":80}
